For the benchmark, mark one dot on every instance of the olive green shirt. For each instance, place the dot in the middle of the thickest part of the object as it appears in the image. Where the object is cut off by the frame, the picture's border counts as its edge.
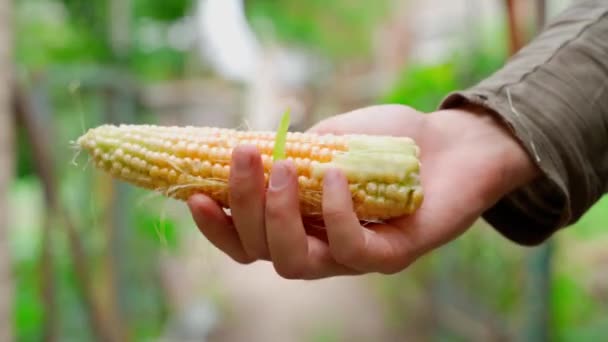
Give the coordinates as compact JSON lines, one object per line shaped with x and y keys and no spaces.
{"x":554,"y":95}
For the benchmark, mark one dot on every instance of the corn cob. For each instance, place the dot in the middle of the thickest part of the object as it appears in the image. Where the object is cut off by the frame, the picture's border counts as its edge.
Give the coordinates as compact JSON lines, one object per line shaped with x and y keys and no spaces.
{"x":382,"y":171}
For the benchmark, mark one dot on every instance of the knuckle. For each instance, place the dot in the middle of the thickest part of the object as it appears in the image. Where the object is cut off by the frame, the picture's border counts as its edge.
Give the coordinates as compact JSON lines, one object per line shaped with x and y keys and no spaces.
{"x":275,"y":210}
{"x":243,"y":259}
{"x":402,"y":107}
{"x":398,"y":108}
{"x":240,"y":190}
{"x":332,"y":214}
{"x":390,"y":269}
{"x":290,"y":271}
{"x":257,"y":253}
{"x":349,"y":253}
{"x":394,"y":267}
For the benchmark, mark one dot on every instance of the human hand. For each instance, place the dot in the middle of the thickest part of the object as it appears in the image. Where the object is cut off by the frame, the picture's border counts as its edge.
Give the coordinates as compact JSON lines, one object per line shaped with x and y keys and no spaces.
{"x":469,"y":161}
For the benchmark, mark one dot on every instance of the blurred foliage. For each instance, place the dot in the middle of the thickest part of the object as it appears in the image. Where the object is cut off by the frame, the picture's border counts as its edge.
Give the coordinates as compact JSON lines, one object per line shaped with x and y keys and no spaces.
{"x":61,"y":41}
{"x":594,"y":223}
{"x":53,"y":36}
{"x":67,"y":46}
{"x":76,"y":31}
{"x":423,"y":86}
{"x":25,"y":165}
{"x":166,"y":11}
{"x":338,"y":29}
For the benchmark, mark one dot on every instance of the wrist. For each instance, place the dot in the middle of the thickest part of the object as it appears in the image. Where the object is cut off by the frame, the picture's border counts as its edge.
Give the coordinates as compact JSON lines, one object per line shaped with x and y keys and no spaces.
{"x":494,"y":141}
{"x":518,"y":161}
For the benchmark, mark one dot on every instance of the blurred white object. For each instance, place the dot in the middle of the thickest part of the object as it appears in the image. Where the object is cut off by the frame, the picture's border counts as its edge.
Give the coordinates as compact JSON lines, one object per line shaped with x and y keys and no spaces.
{"x":228,"y":42}
{"x":195,"y":323}
{"x":271,"y":73}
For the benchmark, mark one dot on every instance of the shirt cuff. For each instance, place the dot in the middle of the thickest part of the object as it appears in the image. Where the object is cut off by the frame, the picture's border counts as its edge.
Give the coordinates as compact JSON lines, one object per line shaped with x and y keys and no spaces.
{"x":531,"y":214}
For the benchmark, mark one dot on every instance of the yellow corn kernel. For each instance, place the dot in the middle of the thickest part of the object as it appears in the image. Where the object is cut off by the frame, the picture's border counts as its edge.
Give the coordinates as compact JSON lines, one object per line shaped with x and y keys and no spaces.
{"x":180,"y":161}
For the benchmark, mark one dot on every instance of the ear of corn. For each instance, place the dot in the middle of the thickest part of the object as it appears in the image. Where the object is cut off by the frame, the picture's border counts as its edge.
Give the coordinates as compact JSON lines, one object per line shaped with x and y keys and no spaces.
{"x":383,"y":172}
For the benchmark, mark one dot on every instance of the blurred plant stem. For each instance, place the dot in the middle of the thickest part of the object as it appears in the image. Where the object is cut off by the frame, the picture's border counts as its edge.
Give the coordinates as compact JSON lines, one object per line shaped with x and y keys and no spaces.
{"x":114,"y":278}
{"x":458,"y":312}
{"x":6,"y":169}
{"x":39,"y":140}
{"x":26,"y":117}
{"x":119,"y":108}
{"x":538,"y":294}
{"x":47,"y":279}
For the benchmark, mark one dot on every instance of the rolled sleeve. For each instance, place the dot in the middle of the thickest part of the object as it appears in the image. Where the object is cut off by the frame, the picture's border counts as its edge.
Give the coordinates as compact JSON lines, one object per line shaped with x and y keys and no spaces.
{"x":553,"y":95}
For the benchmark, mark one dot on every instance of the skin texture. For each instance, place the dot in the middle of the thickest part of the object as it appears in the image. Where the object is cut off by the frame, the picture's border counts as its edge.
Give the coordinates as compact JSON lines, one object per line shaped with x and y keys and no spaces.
{"x":469,"y":161}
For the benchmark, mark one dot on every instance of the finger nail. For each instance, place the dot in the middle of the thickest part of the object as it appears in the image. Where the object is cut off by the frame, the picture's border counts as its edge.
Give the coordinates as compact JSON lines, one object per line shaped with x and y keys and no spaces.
{"x":279,"y":177}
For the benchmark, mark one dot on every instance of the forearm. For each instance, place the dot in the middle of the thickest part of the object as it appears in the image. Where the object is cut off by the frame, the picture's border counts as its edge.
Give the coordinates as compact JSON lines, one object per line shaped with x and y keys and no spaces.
{"x":554,"y":96}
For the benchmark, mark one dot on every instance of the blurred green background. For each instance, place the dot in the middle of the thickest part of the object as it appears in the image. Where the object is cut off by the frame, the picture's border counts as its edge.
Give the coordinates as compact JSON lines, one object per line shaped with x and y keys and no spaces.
{"x":94,"y":259}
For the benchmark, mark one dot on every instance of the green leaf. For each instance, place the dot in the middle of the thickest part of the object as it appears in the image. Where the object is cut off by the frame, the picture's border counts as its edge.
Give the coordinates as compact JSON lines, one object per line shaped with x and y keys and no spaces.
{"x":279,"y":144}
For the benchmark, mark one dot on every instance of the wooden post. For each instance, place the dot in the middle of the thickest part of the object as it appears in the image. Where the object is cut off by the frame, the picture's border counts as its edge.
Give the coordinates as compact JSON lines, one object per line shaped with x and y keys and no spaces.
{"x":6,"y":168}
{"x":515,"y":39}
{"x":541,"y":14}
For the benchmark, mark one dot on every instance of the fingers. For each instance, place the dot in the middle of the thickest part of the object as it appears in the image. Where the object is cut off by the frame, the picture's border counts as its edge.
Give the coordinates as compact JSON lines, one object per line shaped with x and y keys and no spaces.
{"x":216,"y":227}
{"x":287,"y":240}
{"x":383,"y":248}
{"x":350,"y":248}
{"x":295,"y":255}
{"x":321,"y":263}
{"x":347,"y":238}
{"x":247,"y":200}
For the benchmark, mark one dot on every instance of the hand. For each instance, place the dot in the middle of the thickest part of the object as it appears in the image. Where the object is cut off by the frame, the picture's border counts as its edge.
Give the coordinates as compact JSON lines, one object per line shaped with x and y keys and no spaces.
{"x":469,"y":161}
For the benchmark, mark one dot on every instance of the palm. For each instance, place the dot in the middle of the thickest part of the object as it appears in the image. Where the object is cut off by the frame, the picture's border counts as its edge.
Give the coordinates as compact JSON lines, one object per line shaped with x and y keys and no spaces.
{"x":461,"y":170}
